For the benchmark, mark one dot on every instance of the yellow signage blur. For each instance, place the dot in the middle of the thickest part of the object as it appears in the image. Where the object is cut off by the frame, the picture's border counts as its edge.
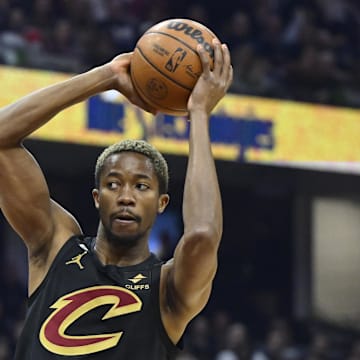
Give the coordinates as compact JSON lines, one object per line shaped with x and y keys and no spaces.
{"x":243,"y":128}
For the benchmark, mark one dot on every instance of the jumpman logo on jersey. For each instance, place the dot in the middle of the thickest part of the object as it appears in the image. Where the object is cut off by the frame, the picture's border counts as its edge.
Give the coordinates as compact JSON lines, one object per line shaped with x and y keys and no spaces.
{"x":77,"y":260}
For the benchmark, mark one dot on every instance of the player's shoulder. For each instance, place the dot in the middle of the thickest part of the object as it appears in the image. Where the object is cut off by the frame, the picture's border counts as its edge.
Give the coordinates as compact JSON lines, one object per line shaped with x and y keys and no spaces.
{"x":169,"y":262}
{"x":165,"y":273}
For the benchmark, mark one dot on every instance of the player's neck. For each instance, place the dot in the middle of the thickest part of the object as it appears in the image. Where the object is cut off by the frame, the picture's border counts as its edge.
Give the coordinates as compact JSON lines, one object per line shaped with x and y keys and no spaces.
{"x":120,"y":255}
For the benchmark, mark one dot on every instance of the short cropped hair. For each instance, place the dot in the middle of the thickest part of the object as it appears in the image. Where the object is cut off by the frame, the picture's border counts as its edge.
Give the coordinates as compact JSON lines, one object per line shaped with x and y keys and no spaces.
{"x":141,"y":147}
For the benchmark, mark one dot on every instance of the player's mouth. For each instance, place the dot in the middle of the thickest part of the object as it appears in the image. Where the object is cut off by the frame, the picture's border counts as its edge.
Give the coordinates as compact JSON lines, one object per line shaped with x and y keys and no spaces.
{"x":125,"y":218}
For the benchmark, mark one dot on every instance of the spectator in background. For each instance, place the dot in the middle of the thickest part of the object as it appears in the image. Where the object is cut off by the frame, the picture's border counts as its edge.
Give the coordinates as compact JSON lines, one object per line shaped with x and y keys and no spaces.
{"x":198,"y":339}
{"x":3,"y":321}
{"x":237,"y":344}
{"x":199,"y":13}
{"x":62,"y":40}
{"x":238,"y":31}
{"x":5,"y":353}
{"x":278,"y":344}
{"x":186,"y":356}
{"x":12,"y":41}
{"x":43,"y":14}
{"x":121,"y":25}
{"x":254,"y":74}
{"x":220,"y":321}
{"x":4,"y":14}
{"x":14,"y":294}
{"x":320,"y":347}
{"x":354,"y":351}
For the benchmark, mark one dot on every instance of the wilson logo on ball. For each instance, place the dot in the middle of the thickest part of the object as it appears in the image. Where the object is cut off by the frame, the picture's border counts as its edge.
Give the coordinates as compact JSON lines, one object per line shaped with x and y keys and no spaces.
{"x":193,"y":33}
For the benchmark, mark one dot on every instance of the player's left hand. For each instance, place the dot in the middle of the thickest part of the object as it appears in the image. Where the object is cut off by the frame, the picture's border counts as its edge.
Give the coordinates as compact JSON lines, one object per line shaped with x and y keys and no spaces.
{"x":213,"y":84}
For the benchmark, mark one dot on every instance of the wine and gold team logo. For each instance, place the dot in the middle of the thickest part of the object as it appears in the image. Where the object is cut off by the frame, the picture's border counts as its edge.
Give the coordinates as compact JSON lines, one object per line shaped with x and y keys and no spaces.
{"x":69,"y":308}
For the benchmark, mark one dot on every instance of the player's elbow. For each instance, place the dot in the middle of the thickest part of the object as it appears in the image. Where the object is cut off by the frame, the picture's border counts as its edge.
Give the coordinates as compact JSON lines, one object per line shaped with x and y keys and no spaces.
{"x":8,"y":142}
{"x":203,"y":238}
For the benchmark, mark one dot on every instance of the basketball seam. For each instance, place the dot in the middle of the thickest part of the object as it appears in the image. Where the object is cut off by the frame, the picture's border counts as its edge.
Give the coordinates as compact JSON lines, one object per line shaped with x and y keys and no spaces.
{"x":173,"y":37}
{"x":143,"y":95}
{"x":160,"y":71}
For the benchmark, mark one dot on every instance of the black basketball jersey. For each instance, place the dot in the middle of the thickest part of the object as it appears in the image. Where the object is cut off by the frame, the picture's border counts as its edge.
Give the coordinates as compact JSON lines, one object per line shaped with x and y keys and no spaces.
{"x":85,"y":310}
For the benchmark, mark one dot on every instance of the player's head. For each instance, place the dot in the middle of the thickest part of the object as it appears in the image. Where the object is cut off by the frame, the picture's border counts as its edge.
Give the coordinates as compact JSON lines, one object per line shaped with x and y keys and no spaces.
{"x":131,"y":180}
{"x":141,"y":147}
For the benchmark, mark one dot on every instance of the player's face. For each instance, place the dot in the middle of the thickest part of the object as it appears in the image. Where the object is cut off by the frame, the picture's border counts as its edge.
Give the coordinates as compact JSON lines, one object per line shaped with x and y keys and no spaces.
{"x":128,"y":198}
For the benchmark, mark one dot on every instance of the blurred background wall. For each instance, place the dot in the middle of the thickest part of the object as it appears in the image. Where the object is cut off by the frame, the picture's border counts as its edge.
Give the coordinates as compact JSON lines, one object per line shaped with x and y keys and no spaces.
{"x":288,"y":163}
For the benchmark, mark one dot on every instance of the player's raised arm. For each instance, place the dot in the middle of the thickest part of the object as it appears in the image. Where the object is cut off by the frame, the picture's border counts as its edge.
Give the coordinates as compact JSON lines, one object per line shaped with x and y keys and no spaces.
{"x":24,"y":196}
{"x":191,"y":274}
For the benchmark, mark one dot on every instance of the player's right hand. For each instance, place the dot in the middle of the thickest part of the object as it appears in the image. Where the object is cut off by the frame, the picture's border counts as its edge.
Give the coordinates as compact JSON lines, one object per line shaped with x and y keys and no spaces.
{"x":120,"y":66}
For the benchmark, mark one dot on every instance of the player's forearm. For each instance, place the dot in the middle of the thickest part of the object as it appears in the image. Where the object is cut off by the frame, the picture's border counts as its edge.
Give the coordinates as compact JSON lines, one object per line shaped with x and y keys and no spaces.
{"x":21,"y":118}
{"x":202,"y":210}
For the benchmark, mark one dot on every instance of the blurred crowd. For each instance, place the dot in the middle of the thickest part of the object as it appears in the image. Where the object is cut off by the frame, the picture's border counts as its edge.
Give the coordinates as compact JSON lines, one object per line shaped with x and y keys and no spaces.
{"x":305,"y":50}
{"x":13,"y":293}
{"x":219,"y":337}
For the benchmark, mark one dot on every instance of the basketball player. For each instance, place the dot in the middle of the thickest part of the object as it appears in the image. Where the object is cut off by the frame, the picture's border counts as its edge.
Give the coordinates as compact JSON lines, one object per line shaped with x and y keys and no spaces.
{"x":108,"y":297}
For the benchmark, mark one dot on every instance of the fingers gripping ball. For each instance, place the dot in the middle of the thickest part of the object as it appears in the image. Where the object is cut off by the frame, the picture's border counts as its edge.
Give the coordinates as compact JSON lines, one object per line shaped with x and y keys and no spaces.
{"x":165,"y":65}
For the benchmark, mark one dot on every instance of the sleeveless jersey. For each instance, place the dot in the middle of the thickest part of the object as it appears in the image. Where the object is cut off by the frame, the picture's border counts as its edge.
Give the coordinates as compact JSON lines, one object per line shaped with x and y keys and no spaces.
{"x":85,"y":310}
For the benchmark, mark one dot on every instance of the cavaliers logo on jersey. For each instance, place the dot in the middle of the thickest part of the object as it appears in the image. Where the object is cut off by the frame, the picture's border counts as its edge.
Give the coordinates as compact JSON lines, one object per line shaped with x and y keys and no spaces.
{"x":69,"y":308}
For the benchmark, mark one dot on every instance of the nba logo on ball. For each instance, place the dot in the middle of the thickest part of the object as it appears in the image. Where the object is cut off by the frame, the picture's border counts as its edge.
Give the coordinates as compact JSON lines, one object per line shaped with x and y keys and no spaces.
{"x":165,"y":65}
{"x":176,"y":58}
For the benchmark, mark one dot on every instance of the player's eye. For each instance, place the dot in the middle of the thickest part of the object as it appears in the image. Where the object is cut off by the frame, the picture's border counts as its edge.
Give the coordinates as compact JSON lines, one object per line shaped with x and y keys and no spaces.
{"x":142,"y":186}
{"x":112,"y":185}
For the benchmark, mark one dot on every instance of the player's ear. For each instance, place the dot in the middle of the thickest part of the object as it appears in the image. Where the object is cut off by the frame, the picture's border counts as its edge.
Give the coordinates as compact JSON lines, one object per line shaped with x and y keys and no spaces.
{"x":163,"y":201}
{"x":95,"y":195}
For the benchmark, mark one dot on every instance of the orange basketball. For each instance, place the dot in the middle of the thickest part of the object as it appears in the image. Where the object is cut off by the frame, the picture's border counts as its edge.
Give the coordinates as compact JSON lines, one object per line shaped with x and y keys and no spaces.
{"x":165,"y":65}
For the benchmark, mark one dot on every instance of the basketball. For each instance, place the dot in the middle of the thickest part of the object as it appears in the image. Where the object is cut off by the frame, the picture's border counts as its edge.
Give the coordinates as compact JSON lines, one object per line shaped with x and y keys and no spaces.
{"x":165,"y":65}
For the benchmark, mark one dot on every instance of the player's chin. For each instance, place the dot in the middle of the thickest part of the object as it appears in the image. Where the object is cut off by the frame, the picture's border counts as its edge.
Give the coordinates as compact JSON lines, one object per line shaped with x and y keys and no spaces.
{"x":126,"y":241}
{"x":124,"y":238}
